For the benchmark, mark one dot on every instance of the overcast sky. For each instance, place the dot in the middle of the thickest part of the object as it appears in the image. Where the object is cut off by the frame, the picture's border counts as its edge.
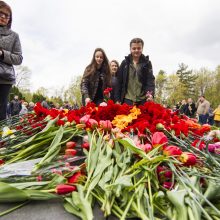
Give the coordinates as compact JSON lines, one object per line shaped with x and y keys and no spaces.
{"x":59,"y":37}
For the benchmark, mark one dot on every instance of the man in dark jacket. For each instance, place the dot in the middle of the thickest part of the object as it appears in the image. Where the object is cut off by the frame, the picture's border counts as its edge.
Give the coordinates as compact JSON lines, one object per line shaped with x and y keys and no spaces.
{"x":190,"y":108}
{"x":135,"y":76}
{"x":15,"y":106}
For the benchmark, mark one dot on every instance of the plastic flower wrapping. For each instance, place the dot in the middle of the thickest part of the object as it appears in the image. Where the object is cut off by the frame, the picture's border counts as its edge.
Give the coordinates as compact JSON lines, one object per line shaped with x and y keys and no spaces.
{"x":142,"y":162}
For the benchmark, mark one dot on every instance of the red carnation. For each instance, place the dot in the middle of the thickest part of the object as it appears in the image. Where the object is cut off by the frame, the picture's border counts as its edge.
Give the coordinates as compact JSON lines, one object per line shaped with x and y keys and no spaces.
{"x":188,"y":158}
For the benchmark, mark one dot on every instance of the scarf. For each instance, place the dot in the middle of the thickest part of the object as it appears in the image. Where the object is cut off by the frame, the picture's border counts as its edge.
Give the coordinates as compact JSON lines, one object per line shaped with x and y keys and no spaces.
{"x":4,"y":31}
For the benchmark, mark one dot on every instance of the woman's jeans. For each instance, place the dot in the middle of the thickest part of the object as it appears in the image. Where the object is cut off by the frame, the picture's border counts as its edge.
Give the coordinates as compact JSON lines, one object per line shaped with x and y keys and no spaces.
{"x":4,"y":92}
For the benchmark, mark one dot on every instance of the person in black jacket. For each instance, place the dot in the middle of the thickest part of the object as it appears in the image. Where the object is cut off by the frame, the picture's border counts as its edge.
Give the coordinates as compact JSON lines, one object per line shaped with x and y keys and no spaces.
{"x":96,"y":78}
{"x":135,"y":76}
{"x":15,"y":106}
{"x":190,"y":109}
{"x":114,"y":65}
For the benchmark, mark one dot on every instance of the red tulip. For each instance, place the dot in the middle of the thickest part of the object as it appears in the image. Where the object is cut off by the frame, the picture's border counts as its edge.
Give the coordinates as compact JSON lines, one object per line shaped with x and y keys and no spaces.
{"x":64,"y":189}
{"x":168,"y":174}
{"x":167,"y":185}
{"x":159,"y":138}
{"x":70,"y":144}
{"x":1,"y":162}
{"x":199,"y":144}
{"x":70,"y":152}
{"x":75,"y":178}
{"x":85,"y":145}
{"x":188,"y":159}
{"x":172,"y":151}
{"x":160,"y":169}
{"x":39,"y":178}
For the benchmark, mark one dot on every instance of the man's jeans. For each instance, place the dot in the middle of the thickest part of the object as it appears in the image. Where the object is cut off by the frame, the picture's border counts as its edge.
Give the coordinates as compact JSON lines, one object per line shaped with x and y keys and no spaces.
{"x":203,"y":119}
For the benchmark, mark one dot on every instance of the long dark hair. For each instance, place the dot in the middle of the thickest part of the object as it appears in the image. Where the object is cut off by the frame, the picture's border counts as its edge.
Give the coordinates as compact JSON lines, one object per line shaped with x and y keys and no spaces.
{"x":6,"y":6}
{"x":92,"y":67}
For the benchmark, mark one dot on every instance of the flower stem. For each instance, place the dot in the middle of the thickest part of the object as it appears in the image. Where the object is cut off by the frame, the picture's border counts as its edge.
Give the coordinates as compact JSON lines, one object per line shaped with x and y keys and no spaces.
{"x":14,"y":208}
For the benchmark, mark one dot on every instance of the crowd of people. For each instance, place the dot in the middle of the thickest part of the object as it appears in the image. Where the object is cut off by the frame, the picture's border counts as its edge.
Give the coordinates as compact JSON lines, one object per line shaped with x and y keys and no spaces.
{"x":132,"y":82}
{"x":21,"y":107}
{"x":201,"y":110}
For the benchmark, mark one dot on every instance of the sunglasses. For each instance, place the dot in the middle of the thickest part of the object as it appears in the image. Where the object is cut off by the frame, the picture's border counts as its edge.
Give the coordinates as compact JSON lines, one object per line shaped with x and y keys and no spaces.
{"x":4,"y":15}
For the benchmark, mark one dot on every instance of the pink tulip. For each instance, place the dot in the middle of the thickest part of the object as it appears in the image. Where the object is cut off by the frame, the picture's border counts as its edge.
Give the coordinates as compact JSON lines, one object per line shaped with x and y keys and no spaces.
{"x":159,"y":138}
{"x":92,"y":123}
{"x":84,"y":119}
{"x":172,"y":151}
{"x":145,"y":147}
{"x":105,"y":125}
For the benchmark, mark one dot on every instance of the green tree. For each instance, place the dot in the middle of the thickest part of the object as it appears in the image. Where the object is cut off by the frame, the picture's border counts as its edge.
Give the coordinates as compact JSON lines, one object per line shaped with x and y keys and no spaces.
{"x":161,"y":79}
{"x":37,"y":97}
{"x":73,"y":93}
{"x":173,"y":90}
{"x":187,"y":80}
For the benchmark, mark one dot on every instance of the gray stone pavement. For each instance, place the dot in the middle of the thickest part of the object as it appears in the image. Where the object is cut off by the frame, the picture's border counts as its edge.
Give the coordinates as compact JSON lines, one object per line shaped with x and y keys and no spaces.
{"x":45,"y":210}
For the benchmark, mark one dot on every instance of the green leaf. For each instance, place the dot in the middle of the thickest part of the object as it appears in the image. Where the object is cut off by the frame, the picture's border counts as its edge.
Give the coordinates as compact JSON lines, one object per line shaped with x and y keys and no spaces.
{"x":53,"y":149}
{"x":25,"y":185}
{"x":38,"y":195}
{"x":177,"y":198}
{"x":9,"y":193}
{"x":79,"y":200}
{"x":129,"y":143}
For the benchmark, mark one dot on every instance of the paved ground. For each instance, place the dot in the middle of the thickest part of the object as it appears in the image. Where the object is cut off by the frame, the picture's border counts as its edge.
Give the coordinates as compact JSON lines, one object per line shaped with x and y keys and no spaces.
{"x":45,"y":210}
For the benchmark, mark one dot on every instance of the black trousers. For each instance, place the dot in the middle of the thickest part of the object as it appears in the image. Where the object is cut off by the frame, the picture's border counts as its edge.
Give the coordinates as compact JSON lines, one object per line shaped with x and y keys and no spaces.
{"x":4,"y":92}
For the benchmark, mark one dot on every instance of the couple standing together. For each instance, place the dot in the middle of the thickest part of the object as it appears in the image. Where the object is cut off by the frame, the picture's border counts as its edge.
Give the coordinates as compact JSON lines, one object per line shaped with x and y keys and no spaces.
{"x":133,"y":83}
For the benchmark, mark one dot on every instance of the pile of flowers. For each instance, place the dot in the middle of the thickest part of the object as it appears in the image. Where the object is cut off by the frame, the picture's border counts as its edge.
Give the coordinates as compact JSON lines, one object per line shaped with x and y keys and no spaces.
{"x":137,"y":162}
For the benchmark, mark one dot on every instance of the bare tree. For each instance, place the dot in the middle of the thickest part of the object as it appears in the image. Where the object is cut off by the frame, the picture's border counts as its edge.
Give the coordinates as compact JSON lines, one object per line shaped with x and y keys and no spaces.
{"x":23,"y":76}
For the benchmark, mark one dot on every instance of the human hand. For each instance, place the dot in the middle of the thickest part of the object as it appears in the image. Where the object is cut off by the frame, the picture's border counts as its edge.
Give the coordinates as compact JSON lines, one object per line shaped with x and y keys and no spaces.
{"x":87,"y":100}
{"x":149,"y":96}
{"x":103,"y":104}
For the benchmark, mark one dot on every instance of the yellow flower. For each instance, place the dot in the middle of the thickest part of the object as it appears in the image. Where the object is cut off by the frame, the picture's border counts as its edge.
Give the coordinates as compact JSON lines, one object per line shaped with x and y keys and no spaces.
{"x":122,"y":121}
{"x":65,"y":110}
{"x":6,"y":131}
